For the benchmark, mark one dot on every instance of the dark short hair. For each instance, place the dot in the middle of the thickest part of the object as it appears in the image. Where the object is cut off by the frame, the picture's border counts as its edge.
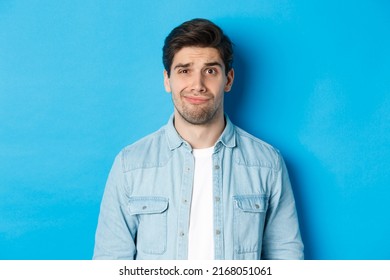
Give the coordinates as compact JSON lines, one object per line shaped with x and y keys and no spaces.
{"x":197,"y":33}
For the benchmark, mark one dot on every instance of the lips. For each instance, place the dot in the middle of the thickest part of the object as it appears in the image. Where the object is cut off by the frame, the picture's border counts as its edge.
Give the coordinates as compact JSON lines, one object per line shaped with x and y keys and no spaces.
{"x":196,"y":100}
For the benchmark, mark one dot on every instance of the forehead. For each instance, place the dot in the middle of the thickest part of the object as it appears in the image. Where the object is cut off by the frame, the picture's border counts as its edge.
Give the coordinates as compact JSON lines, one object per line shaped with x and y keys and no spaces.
{"x":196,"y":55}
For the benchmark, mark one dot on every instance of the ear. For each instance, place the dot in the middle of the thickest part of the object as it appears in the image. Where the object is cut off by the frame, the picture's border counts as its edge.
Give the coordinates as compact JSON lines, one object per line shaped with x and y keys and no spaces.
{"x":230,"y":79}
{"x":167,"y":85}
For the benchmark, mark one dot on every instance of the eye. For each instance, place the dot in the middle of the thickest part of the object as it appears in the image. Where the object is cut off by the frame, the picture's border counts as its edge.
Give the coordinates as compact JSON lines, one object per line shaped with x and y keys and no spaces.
{"x":211,"y":71}
{"x":183,"y":71}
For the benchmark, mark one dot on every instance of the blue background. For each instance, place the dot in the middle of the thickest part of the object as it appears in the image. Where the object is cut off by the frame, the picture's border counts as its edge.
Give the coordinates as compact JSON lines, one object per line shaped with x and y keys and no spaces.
{"x":79,"y":80}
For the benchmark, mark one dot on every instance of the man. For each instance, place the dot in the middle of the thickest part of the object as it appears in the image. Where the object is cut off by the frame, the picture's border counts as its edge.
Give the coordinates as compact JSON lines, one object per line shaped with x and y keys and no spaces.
{"x":200,"y":187}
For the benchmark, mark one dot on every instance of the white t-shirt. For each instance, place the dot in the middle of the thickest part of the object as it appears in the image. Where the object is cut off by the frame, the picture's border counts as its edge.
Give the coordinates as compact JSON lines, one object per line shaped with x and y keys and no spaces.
{"x":200,"y":236}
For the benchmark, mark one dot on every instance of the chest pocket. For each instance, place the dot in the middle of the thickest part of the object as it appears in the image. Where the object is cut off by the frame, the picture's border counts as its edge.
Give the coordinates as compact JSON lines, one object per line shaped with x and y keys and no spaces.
{"x":249,"y":220}
{"x":151,"y":212}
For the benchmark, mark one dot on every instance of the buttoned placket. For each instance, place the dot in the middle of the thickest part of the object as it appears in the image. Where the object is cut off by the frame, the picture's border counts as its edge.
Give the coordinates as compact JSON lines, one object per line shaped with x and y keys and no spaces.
{"x":218,"y":209}
{"x":186,"y":197}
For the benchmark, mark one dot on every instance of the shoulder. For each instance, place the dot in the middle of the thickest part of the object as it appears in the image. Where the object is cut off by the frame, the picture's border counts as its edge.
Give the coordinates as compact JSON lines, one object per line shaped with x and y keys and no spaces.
{"x":149,"y":151}
{"x":145,"y":142}
{"x":252,"y":151}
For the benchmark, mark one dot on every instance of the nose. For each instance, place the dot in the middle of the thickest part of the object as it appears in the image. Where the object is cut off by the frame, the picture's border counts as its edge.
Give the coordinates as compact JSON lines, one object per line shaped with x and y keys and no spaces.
{"x":198,"y":85}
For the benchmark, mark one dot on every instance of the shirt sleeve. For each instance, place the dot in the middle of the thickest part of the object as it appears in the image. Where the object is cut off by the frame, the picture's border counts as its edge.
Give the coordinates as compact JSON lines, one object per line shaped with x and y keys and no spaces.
{"x":116,"y":229}
{"x":282,"y":238}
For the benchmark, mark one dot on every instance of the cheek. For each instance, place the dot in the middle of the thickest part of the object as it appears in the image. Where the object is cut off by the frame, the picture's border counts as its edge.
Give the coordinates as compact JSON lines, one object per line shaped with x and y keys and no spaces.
{"x":176,"y":96}
{"x":218,"y":87}
{"x":178,"y":86}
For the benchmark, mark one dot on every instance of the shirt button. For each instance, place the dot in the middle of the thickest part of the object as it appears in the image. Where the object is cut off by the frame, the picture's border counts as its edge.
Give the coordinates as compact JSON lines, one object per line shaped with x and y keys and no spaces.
{"x":181,"y":234}
{"x":257,"y":206}
{"x":144,"y":207}
{"x":184,"y":200}
{"x":217,"y":199}
{"x":217,"y":232}
{"x":216,"y":167}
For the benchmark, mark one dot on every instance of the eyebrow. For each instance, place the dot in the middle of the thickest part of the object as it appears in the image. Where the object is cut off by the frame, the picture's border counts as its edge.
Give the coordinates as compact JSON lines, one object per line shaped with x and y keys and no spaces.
{"x":213,"y":63}
{"x":181,"y":65}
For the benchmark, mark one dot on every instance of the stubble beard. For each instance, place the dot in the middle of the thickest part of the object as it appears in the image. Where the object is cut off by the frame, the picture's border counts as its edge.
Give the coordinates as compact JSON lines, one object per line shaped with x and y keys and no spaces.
{"x":196,"y":114}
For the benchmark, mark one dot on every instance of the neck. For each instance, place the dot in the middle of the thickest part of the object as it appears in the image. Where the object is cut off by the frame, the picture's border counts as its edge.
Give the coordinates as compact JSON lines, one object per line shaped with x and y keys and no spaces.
{"x":200,"y":136}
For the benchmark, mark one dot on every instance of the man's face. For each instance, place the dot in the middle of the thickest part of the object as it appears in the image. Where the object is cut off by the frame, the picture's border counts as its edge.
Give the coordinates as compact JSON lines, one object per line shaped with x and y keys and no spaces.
{"x":198,"y":82}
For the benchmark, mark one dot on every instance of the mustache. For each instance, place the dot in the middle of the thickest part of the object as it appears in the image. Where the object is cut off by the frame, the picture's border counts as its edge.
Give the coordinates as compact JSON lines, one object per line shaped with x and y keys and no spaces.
{"x":197,"y":94}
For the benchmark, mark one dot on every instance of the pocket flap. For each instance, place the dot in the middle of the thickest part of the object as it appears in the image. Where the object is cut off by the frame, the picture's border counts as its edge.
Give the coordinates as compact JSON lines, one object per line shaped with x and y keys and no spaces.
{"x":147,"y":204}
{"x":252,"y":203}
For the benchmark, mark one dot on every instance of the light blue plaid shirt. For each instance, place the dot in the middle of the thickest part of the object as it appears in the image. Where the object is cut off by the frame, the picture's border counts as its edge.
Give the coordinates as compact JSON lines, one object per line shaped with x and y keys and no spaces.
{"x":146,"y":204}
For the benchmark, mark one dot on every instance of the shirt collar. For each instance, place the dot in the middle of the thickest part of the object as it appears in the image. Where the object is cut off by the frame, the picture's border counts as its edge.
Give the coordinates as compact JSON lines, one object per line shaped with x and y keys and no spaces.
{"x":174,"y":139}
{"x":227,"y":138}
